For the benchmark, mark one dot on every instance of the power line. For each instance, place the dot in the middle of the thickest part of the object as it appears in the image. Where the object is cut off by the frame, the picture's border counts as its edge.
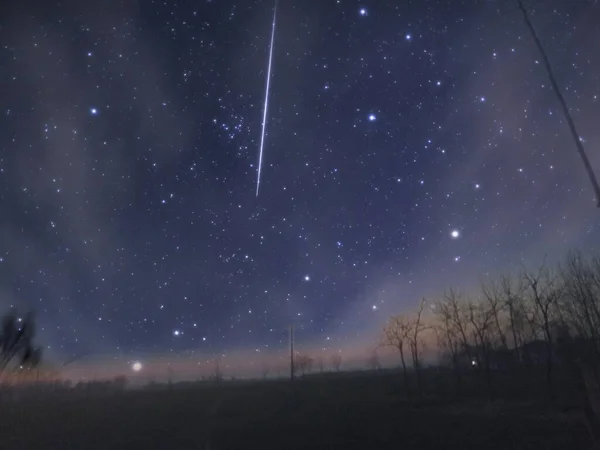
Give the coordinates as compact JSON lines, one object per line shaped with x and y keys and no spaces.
{"x":563,"y":103}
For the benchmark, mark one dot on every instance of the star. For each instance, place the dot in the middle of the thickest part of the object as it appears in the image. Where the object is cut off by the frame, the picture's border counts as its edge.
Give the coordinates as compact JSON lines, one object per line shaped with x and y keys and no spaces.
{"x":306,"y":278}
{"x":93,"y":111}
{"x":177,"y":333}
{"x":372,"y":117}
{"x":408,"y":37}
{"x":455,"y":234}
{"x":136,"y":366}
{"x":363,"y":12}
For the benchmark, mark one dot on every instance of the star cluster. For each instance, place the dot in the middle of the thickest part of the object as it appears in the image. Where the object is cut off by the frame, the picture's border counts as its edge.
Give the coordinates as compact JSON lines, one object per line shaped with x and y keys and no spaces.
{"x":411,"y":146}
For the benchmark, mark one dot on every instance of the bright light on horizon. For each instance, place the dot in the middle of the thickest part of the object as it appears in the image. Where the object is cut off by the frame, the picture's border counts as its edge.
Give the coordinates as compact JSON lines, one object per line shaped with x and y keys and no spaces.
{"x":136,"y":366}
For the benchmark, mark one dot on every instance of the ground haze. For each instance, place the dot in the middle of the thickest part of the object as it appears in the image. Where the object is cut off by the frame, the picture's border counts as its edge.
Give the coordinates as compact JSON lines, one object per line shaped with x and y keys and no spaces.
{"x":332,"y":411}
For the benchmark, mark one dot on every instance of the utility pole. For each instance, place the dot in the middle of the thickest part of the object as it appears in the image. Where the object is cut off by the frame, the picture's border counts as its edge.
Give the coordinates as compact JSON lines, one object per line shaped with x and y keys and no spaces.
{"x":292,"y":352}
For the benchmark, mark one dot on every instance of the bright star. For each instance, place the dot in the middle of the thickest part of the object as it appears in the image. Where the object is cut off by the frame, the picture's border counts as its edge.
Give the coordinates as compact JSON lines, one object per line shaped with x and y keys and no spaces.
{"x":372,"y":117}
{"x":136,"y":366}
{"x":455,"y":234}
{"x":306,"y":278}
{"x":177,"y":333}
{"x":93,"y":111}
{"x":362,"y":11}
{"x":408,"y":37}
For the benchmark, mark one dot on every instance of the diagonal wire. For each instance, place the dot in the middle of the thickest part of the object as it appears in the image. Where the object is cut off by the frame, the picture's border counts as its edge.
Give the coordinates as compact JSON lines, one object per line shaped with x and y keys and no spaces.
{"x":563,"y":103}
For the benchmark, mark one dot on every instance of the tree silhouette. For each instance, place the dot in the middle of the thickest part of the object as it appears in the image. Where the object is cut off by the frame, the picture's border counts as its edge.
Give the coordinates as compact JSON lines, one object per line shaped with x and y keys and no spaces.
{"x":304,"y":364}
{"x":396,"y":334}
{"x":16,"y":343}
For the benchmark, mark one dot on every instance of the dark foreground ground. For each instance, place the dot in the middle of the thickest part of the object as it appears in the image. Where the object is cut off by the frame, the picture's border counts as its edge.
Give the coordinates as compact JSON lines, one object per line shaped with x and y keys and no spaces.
{"x":333,"y":411}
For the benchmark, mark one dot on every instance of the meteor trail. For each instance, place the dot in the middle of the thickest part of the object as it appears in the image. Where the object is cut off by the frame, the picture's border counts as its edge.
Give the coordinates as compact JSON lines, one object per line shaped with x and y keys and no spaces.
{"x":264,"y":122}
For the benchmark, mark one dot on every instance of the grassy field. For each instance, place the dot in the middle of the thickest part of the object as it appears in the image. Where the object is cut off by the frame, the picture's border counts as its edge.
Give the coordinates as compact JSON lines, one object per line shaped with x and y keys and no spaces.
{"x":330,"y":411}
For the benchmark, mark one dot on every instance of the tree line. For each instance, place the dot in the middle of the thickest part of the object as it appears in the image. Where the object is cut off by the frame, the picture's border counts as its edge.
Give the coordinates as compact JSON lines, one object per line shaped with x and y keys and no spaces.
{"x":548,"y":317}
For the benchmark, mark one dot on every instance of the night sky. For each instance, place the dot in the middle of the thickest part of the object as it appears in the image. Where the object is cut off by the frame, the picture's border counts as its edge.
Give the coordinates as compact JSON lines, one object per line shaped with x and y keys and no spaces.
{"x":410,"y":147}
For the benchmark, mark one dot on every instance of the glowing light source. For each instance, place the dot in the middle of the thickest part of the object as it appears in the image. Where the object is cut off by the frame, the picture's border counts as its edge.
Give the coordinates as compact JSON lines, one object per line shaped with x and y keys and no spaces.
{"x":136,"y":366}
{"x":455,"y":234}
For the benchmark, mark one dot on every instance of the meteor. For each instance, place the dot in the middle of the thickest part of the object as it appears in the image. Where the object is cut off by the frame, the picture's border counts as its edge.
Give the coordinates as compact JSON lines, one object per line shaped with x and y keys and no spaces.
{"x":266,"y":105}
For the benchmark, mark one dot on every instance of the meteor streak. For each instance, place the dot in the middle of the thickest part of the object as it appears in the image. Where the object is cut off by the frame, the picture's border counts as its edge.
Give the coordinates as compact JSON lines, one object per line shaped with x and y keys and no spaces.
{"x":264,"y":122}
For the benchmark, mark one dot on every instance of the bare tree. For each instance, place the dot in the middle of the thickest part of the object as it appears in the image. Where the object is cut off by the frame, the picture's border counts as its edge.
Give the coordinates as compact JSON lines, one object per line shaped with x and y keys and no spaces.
{"x":336,"y":361}
{"x":303,"y":364}
{"x":492,"y":293}
{"x":447,"y":338}
{"x":512,"y":290}
{"x":459,"y":318}
{"x":580,"y":304}
{"x":416,"y":329}
{"x":396,"y":334}
{"x":481,"y":317}
{"x":580,"y":307}
{"x":544,"y":293}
